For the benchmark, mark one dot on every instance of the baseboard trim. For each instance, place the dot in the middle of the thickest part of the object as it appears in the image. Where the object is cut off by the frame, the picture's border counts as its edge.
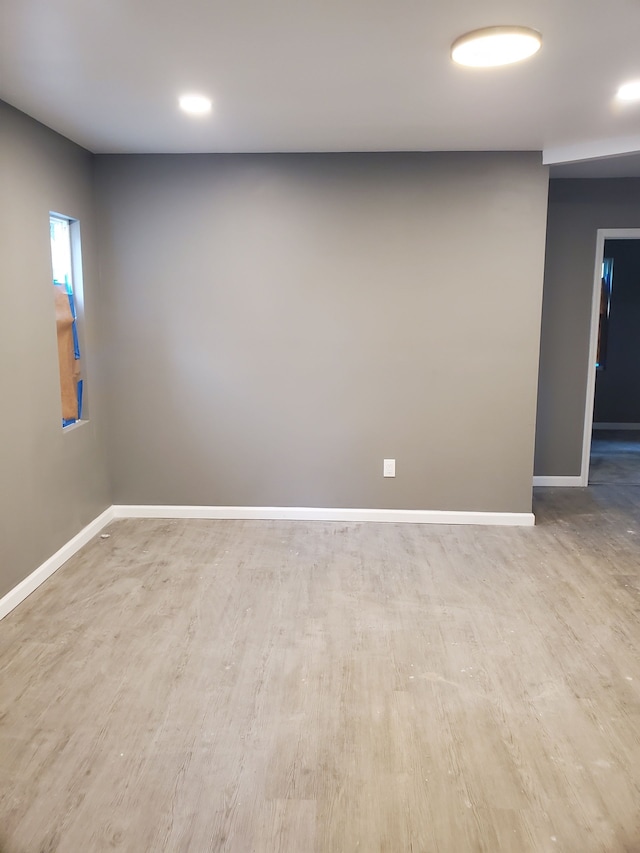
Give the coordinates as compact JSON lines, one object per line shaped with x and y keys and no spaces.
{"x":270,"y":513}
{"x":408,"y":516}
{"x":18,"y":594}
{"x":561,"y":482}
{"x":615,"y":426}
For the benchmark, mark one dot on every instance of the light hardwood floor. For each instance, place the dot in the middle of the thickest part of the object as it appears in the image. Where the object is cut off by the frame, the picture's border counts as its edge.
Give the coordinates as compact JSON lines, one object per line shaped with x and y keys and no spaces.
{"x":317,"y":688}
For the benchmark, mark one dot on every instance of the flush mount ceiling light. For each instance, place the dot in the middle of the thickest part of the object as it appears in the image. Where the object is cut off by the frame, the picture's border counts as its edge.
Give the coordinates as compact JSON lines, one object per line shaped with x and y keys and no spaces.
{"x":495,"y":46}
{"x":629,"y":91}
{"x":195,"y":105}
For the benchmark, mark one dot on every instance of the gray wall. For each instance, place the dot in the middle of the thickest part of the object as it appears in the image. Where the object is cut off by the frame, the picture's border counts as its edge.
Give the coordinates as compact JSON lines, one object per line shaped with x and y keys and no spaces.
{"x":577,"y":208}
{"x":617,"y":398}
{"x":279,"y":324}
{"x":52,"y":483}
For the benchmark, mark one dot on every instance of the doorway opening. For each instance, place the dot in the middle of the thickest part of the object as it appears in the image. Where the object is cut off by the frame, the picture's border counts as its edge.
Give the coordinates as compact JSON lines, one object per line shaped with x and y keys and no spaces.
{"x":611,"y":442}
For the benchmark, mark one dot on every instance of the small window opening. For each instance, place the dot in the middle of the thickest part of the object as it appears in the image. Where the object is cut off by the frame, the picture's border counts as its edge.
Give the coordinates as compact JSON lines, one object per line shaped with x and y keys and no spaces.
{"x":62,"y":262}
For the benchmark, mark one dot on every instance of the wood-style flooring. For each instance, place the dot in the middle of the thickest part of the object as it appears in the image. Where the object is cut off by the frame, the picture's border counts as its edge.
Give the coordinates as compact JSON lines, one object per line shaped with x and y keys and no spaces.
{"x":331,"y":688}
{"x":615,"y":457}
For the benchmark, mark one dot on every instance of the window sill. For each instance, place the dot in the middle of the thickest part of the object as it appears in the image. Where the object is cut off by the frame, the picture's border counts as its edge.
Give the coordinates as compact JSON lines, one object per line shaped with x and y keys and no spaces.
{"x":76,"y":425}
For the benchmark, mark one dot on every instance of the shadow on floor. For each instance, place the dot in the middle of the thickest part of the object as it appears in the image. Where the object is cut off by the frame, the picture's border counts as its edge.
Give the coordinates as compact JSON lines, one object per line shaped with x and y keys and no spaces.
{"x":615,"y":457}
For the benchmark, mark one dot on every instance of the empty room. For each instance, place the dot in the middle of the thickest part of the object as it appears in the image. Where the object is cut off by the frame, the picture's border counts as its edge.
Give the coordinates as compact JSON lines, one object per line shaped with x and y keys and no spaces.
{"x":304,"y":348}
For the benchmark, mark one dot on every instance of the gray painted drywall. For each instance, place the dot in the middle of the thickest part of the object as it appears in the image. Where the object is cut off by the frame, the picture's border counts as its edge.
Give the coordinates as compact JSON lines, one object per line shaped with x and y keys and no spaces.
{"x":617,"y":397}
{"x":278,"y":325}
{"x":53,"y":484}
{"x":577,"y":209}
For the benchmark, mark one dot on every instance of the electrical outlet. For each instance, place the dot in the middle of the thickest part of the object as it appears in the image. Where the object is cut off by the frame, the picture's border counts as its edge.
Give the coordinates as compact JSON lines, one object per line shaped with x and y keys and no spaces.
{"x":389,"y":468}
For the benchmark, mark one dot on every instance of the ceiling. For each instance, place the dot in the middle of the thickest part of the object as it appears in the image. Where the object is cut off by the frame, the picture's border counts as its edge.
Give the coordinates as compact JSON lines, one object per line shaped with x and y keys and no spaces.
{"x":324,"y":75}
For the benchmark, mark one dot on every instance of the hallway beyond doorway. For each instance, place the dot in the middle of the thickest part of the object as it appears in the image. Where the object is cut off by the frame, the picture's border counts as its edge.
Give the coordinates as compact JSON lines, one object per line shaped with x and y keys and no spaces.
{"x":615,"y":457}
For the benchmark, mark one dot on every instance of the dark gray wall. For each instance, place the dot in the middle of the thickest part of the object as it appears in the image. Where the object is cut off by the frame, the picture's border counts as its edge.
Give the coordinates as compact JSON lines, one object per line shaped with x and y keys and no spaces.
{"x":577,"y":209}
{"x":279,"y":324}
{"x":53,"y":484}
{"x":617,"y":398}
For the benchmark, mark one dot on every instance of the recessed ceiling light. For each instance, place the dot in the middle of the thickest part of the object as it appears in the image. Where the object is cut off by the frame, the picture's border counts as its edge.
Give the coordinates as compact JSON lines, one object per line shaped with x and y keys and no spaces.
{"x":495,"y":46}
{"x":196,"y":105}
{"x":629,"y":92}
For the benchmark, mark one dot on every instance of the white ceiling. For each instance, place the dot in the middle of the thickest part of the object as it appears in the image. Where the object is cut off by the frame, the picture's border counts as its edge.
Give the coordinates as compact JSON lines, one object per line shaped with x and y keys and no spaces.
{"x":321,"y":75}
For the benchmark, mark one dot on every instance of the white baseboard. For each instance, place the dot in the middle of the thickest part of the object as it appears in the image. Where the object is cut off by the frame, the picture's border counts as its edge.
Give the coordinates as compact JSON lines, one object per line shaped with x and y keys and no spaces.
{"x":271,"y":513}
{"x":615,"y":426}
{"x":562,"y":482}
{"x":410,"y":516}
{"x":32,"y":582}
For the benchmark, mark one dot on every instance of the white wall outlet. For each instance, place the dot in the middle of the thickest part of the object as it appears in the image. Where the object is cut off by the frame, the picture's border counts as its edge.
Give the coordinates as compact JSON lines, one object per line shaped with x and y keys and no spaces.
{"x":389,"y":468}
